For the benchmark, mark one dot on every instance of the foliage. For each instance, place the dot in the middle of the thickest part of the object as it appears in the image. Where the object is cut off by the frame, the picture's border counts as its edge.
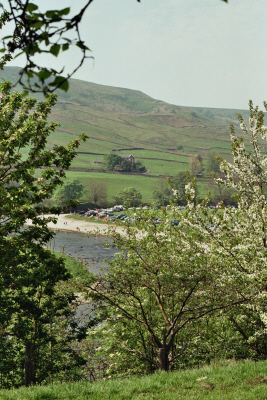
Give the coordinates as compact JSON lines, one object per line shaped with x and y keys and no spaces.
{"x":33,"y":310}
{"x":220,"y":192}
{"x":128,"y":197}
{"x":212,"y":165}
{"x":158,"y":284}
{"x":223,"y":256}
{"x":35,"y":32}
{"x":162,"y":194}
{"x":98,"y":193}
{"x":178,"y":183}
{"x":115,"y":162}
{"x":71,"y":189}
{"x":196,"y":165}
{"x":112,"y":160}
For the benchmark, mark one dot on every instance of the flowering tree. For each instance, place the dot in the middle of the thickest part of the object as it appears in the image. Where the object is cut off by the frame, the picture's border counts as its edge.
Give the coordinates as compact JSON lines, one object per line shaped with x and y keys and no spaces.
{"x":158,"y":284}
{"x":236,"y":238}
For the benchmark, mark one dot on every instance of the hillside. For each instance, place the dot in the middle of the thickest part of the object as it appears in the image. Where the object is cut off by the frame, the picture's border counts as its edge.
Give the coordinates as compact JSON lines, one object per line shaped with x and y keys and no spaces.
{"x":231,"y":380}
{"x":162,"y":135}
{"x":123,"y":119}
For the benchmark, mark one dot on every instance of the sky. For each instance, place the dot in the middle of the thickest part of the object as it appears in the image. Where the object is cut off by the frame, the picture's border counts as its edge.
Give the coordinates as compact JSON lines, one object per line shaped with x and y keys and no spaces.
{"x":201,"y":53}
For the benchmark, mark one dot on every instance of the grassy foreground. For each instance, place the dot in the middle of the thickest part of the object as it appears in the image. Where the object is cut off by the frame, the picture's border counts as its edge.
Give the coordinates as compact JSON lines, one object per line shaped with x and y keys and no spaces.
{"x":235,"y":381}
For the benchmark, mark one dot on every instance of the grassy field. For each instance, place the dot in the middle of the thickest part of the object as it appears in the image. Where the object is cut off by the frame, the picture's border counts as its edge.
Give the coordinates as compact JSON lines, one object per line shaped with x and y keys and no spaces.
{"x":229,"y":380}
{"x":116,"y":182}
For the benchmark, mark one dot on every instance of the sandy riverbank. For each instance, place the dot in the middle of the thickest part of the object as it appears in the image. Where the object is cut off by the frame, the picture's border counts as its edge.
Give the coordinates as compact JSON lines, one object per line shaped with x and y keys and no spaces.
{"x":65,"y":223}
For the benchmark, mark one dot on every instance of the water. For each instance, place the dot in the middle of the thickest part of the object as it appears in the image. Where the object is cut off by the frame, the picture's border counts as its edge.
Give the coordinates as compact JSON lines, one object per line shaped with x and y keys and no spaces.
{"x":85,"y":248}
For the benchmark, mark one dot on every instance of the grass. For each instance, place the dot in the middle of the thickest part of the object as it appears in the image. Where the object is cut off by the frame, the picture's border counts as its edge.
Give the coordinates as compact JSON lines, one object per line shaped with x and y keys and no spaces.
{"x":116,"y":182}
{"x":116,"y":118}
{"x":76,"y":268}
{"x":229,"y":380}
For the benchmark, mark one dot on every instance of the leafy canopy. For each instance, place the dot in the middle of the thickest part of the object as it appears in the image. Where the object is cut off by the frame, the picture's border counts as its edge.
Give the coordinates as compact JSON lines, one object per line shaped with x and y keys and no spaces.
{"x":129,"y":197}
{"x":72,"y":189}
{"x":31,"y":305}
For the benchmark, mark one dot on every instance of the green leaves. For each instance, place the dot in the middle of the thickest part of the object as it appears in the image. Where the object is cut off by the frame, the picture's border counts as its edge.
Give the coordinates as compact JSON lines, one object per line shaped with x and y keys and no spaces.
{"x":61,"y":83}
{"x":31,"y":304}
{"x":55,"y":49}
{"x":36,"y":33}
{"x":56,"y":14}
{"x":31,"y":7}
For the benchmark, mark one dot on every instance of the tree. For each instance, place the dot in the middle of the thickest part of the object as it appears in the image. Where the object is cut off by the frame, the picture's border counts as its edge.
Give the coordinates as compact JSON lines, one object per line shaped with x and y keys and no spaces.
{"x":220,"y":192}
{"x":212,"y":165}
{"x":159,"y":283}
{"x":33,"y":33}
{"x":126,"y":166}
{"x":98,"y":193}
{"x":72,"y":189}
{"x":129,"y":197}
{"x":162,"y":193}
{"x":237,"y":237}
{"x":31,"y":307}
{"x":179,"y":183}
{"x":196,"y":165}
{"x":112,"y":160}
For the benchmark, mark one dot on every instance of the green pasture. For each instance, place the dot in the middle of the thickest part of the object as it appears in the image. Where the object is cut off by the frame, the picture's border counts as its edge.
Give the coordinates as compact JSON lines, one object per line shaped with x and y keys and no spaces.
{"x":160,"y":167}
{"x":170,"y":164}
{"x":116,"y":182}
{"x":159,"y":155}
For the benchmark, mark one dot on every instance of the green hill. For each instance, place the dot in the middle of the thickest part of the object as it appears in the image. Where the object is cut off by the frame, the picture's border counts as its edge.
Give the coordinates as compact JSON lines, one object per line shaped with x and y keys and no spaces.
{"x":238,"y":381}
{"x":162,"y":135}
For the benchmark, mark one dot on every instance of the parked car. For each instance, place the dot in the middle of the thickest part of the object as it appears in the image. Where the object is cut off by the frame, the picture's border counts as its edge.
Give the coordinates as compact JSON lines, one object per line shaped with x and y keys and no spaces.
{"x":121,"y":216}
{"x":102,"y":214}
{"x":91,"y":212}
{"x":118,"y":208}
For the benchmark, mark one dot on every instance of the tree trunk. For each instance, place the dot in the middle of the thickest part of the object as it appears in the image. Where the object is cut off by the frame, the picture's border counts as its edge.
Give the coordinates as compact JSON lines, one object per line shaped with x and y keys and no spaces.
{"x":164,"y":359}
{"x":28,"y":361}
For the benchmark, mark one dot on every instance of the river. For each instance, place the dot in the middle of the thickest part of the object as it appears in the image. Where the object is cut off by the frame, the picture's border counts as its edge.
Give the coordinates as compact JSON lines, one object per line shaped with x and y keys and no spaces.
{"x":84,"y":247}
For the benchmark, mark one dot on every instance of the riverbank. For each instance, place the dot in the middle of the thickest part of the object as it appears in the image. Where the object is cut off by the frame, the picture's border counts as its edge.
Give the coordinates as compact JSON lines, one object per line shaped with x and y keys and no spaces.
{"x":66,"y":223}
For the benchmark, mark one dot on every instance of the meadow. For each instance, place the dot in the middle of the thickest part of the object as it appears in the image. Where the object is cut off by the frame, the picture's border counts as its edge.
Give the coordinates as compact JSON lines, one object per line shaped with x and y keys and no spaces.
{"x":116,"y":182}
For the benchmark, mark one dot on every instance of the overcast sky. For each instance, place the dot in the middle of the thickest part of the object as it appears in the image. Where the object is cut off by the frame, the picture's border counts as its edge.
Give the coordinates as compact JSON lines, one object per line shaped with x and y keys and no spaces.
{"x":203,"y":53}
